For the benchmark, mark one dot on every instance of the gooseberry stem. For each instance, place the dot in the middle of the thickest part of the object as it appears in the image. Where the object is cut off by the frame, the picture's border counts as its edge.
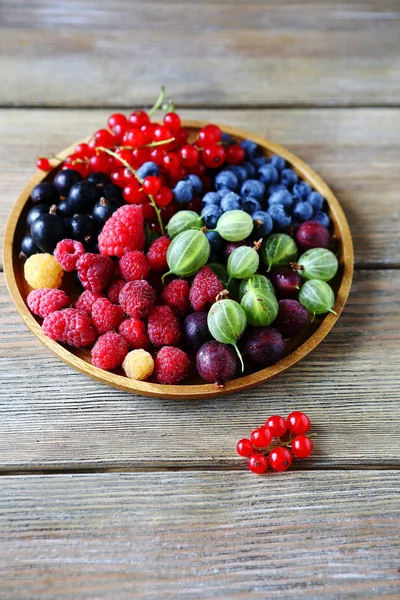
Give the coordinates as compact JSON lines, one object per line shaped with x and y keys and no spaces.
{"x":158,"y":103}
{"x":239,"y":355}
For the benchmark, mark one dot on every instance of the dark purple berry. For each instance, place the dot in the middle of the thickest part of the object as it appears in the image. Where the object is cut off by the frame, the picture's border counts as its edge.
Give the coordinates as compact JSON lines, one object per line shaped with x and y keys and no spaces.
{"x":216,"y":362}
{"x":64,"y":209}
{"x":35,"y":212}
{"x":196,"y":330}
{"x":292,"y":318}
{"x":47,"y":231}
{"x":287,"y":282}
{"x":103,"y":209}
{"x":65,"y":179}
{"x":264,"y":346}
{"x":100,"y":179}
{"x":311,"y":234}
{"x":45,"y":193}
{"x":81,"y":227}
{"x":83,"y":196}
{"x":112,"y":193}
{"x":28,"y":247}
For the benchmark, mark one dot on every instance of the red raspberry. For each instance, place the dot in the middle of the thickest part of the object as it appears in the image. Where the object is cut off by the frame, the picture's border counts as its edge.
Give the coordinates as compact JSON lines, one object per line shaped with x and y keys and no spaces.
{"x":134,"y":265}
{"x":176,"y":295}
{"x":157,"y":254}
{"x":137,"y":298}
{"x":205,"y":288}
{"x":44,"y":301}
{"x":163,"y":327}
{"x":70,"y":327}
{"x":172,"y":365}
{"x":106,"y":315}
{"x":86,"y":300}
{"x":67,"y":253}
{"x":95,"y":271}
{"x":109,"y":351}
{"x":122,"y":232}
{"x":114,"y":289}
{"x":134,"y":333}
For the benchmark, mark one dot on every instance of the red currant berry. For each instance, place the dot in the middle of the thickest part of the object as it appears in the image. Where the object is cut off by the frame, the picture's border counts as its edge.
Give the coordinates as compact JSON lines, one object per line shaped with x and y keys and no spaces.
{"x":134,"y":137}
{"x":118,"y":177}
{"x":189,"y":155}
{"x":209,"y":136}
{"x":157,"y":155}
{"x":171,"y":161}
{"x":147,"y":131}
{"x":280,"y":459}
{"x":257,"y":463}
{"x":162,"y":133}
{"x":104,"y":138}
{"x":43,"y":164}
{"x":213,"y":156}
{"x":117,"y":119}
{"x":130,"y":177}
{"x":198,"y":169}
{"x":101,"y":162}
{"x":139,"y":118}
{"x":234,"y":154}
{"x":84,"y":151}
{"x":133,"y":194}
{"x":119,"y":132}
{"x":302,"y":446}
{"x":244,"y":447}
{"x":149,"y":213}
{"x":125,"y":154}
{"x":276,"y":425}
{"x":151,"y":184}
{"x":261,"y":437}
{"x":298,"y":422}
{"x":163,"y":196}
{"x":172,"y":121}
{"x":168,"y":211}
{"x":181,"y":137}
{"x":140,"y":156}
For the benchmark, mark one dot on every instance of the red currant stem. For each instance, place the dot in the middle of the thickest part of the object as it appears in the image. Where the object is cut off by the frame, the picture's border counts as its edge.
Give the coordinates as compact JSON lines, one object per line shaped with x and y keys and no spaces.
{"x":160,"y":143}
{"x":158,"y":102}
{"x":168,"y":106}
{"x":282,"y":444}
{"x":140,"y":180}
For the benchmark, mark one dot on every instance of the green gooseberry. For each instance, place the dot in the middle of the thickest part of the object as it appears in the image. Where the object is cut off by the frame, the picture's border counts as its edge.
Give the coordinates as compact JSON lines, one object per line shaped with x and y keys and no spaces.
{"x":317,"y":297}
{"x":227,"y":321}
{"x":182,"y":221}
{"x":234,"y":225}
{"x":279,"y":249}
{"x":261,"y":307}
{"x":317,"y":263}
{"x":187,"y":253}
{"x":256,"y":282}
{"x":242,"y":262}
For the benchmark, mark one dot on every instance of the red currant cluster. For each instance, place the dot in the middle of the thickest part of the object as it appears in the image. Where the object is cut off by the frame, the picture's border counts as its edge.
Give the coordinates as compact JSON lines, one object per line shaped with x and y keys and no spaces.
{"x":120,"y":150}
{"x":279,"y":458}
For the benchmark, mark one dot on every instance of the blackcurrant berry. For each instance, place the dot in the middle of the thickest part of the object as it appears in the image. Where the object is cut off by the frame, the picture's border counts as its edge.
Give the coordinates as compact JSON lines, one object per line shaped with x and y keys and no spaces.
{"x":45,"y":193}
{"x":103,"y":210}
{"x":81,"y":227}
{"x":98,"y":178}
{"x":28,"y":247}
{"x":83,"y":196}
{"x":112,"y":193}
{"x":47,"y":231}
{"x":64,"y":209}
{"x":65,"y":179}
{"x":35,"y":212}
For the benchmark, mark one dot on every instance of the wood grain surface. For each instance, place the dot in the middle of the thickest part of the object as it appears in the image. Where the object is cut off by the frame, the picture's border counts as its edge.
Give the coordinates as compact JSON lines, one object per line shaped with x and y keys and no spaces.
{"x":224,"y":53}
{"x":324,"y":535}
{"x":54,"y":418}
{"x":356,"y":151}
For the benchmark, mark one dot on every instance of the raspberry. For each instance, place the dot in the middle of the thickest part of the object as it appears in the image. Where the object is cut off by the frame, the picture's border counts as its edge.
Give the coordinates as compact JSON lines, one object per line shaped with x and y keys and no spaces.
{"x":43,"y":271}
{"x":205,"y":288}
{"x":70,"y":327}
{"x":163,"y":327}
{"x":134,"y":333}
{"x":138,"y":364}
{"x":176,"y":295}
{"x":134,"y":265}
{"x":67,"y":253}
{"x":137,"y":298}
{"x":106,"y":315}
{"x":95,"y":271}
{"x":157,"y":254}
{"x":86,"y":300}
{"x":45,"y":301}
{"x":122,"y":232}
{"x":109,"y":351}
{"x":114,"y":289}
{"x":172,"y":365}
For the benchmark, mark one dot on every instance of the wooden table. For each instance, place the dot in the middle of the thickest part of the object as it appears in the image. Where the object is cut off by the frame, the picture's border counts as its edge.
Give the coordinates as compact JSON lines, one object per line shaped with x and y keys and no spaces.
{"x":106,"y":495}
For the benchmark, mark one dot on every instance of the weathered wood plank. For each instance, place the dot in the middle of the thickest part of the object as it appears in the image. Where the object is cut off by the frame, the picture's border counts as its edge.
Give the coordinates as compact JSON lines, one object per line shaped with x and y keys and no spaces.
{"x":52,"y":417}
{"x":325,"y":535}
{"x":356,"y":151}
{"x":216,"y":53}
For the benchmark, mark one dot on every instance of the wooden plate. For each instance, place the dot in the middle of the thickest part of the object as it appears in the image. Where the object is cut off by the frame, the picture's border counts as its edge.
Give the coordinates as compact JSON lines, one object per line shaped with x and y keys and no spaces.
{"x":80,"y":359}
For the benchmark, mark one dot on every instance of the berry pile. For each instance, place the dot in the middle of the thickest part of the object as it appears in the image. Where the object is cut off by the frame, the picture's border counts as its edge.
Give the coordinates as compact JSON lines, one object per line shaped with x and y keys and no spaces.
{"x":179,"y":252}
{"x":260,"y":450}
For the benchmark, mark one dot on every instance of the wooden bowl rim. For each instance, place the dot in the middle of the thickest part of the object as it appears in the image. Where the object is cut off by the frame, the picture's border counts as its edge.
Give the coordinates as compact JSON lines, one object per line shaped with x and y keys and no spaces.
{"x":187,"y":392}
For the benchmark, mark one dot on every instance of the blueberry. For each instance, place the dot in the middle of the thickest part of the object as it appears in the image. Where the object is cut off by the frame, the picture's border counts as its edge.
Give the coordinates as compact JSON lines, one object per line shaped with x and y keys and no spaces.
{"x":250,"y":148}
{"x":282,"y":197}
{"x":65,"y":179}
{"x":64,"y":209}
{"x":231,"y":201}
{"x":83,"y":196}
{"x":253,"y":188}
{"x":259,"y":161}
{"x":47,"y":231}
{"x":216,"y":243}
{"x":226,"y":180}
{"x":239,"y":171}
{"x":289,"y":178}
{"x":196,"y":182}
{"x":275,"y":187}
{"x":316,"y":200}
{"x":227,"y":139}
{"x":45,"y":193}
{"x":279,"y":215}
{"x":250,"y":169}
{"x":35,"y":212}
{"x":98,"y":178}
{"x":263,"y":223}
{"x":278,"y":162}
{"x":148,"y":168}
{"x":222,"y":192}
{"x":268,"y":174}
{"x":80,"y":227}
{"x":211,"y":213}
{"x":103,"y":210}
{"x":251,"y":205}
{"x":211,"y":198}
{"x":183,"y":192}
{"x":322,"y":217}
{"x":112,"y":192}
{"x":28,"y":247}
{"x":303,"y":211}
{"x":301,"y":190}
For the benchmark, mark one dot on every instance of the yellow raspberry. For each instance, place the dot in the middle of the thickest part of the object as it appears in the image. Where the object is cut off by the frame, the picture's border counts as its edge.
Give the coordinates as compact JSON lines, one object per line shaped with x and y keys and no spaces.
{"x":43,"y":271}
{"x":138,"y":364}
